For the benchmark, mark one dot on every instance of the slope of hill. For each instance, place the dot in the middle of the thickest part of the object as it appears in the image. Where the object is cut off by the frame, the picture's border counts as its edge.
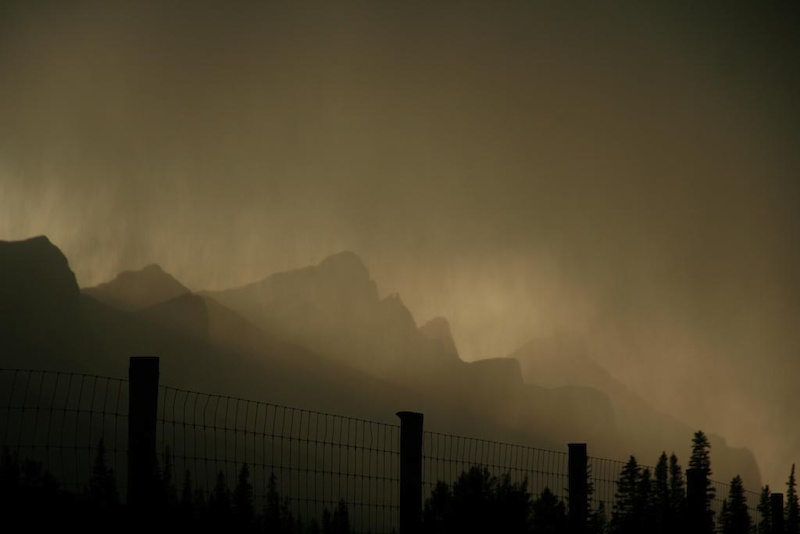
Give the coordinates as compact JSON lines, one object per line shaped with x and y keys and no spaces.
{"x":319,"y":338}
{"x":136,"y":290}
{"x":334,"y":309}
{"x":562,"y":361}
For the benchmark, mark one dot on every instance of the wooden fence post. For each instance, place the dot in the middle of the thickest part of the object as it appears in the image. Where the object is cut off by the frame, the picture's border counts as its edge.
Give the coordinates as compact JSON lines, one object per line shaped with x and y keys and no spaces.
{"x":410,"y":472}
{"x":696,"y":482}
{"x":142,"y":408}
{"x":776,"y":511}
{"x":578,"y":488}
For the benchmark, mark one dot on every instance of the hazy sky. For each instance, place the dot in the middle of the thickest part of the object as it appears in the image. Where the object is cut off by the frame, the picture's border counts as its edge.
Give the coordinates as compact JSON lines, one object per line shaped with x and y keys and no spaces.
{"x":623,"y":172}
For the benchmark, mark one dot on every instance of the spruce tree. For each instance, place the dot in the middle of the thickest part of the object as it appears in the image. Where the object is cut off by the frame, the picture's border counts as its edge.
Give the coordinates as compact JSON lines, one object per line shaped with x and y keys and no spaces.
{"x":623,"y":518}
{"x":701,"y":459}
{"x":792,"y":513}
{"x":736,"y":517}
{"x":102,"y":485}
{"x":243,"y":497}
{"x":643,"y":502}
{"x":549,"y":513}
{"x":677,"y":495}
{"x":661,"y":500}
{"x":764,"y":511}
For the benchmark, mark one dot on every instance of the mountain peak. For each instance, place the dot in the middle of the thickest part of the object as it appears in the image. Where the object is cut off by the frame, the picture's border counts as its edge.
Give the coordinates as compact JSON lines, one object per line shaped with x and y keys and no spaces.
{"x":35,"y":274}
{"x":136,"y":290}
{"x":438,"y":331}
{"x":345,"y":263}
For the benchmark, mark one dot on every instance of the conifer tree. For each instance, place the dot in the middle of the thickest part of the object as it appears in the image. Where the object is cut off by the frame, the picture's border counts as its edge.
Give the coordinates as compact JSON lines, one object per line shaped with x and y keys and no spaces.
{"x":677,"y":495}
{"x":187,"y":496}
{"x":643,"y":507}
{"x":219,"y":502}
{"x":549,"y":513}
{"x":169,"y":494}
{"x":243,"y":497}
{"x":623,"y":518}
{"x":102,"y":485}
{"x":598,"y":523}
{"x":792,"y":512}
{"x":764,"y":511}
{"x":701,"y":459}
{"x":661,"y":501}
{"x":735,"y":516}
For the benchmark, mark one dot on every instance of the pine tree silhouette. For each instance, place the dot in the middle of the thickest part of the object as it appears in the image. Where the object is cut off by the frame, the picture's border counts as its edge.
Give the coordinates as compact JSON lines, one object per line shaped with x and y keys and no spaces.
{"x":623,"y":517}
{"x":598,"y":521}
{"x":103,"y":484}
{"x":187,"y":502}
{"x":337,"y":522}
{"x":438,"y":509}
{"x":661,"y":495}
{"x":701,"y":459}
{"x":735,"y":516}
{"x":549,"y":514}
{"x":278,"y":517}
{"x":764,"y":511}
{"x":792,"y":524}
{"x":677,"y":495}
{"x":219,"y":503}
{"x":243,"y":499}
{"x":643,"y":502}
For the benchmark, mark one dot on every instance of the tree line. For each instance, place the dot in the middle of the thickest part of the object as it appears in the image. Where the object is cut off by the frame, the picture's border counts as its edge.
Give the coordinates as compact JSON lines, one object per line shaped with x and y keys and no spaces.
{"x":645,"y":501}
{"x":33,"y":499}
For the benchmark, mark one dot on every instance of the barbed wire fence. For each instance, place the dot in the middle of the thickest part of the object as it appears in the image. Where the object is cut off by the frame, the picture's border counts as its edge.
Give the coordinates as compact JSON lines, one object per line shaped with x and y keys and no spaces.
{"x":311,"y":460}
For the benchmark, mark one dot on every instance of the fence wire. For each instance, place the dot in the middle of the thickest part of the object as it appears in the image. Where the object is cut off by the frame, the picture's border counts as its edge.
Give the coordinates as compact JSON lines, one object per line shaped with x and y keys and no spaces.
{"x":310,"y":461}
{"x":603,"y":477}
{"x":446,"y":456}
{"x":722,"y":492}
{"x":314,"y":459}
{"x":56,"y":421}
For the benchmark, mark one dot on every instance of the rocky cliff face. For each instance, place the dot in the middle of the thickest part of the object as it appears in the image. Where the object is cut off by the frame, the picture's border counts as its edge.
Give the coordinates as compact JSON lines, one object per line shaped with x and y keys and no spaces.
{"x":39,"y":301}
{"x":35,"y":278}
{"x":334,"y":309}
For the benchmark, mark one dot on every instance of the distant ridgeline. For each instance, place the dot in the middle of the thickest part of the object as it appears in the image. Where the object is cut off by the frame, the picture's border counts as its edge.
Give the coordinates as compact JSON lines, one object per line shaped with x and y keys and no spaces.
{"x":322,"y":338}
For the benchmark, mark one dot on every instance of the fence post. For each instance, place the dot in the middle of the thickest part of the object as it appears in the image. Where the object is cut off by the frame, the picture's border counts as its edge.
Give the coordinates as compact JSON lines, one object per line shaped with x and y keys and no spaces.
{"x":410,"y":472}
{"x":776,"y":510}
{"x":696,"y":482}
{"x":578,"y":488}
{"x":142,"y":408}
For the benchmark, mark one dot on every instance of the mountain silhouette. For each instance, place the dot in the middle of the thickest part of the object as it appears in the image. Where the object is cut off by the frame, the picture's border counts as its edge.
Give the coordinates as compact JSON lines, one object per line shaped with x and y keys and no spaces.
{"x":39,"y":301}
{"x":563,"y":361}
{"x":136,"y":290}
{"x":318,"y":338}
{"x":334,"y":309}
{"x":437,"y":330}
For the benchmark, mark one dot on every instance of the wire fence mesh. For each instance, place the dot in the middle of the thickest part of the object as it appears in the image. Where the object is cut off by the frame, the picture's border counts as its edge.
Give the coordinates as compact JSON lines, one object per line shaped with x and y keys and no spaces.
{"x":721,"y":494}
{"x":59,"y":420}
{"x":446,"y":456}
{"x":310,"y":460}
{"x":603,"y":477}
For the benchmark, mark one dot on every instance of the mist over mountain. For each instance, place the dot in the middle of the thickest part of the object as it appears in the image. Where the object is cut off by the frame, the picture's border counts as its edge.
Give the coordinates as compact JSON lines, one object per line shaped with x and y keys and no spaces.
{"x":321,"y":338}
{"x":135,"y":290}
{"x":564,"y":361}
{"x":333,"y":308}
{"x":549,"y":390}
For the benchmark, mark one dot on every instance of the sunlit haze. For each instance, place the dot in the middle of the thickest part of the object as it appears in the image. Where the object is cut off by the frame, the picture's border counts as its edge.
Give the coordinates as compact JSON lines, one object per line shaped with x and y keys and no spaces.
{"x":623,"y":174}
